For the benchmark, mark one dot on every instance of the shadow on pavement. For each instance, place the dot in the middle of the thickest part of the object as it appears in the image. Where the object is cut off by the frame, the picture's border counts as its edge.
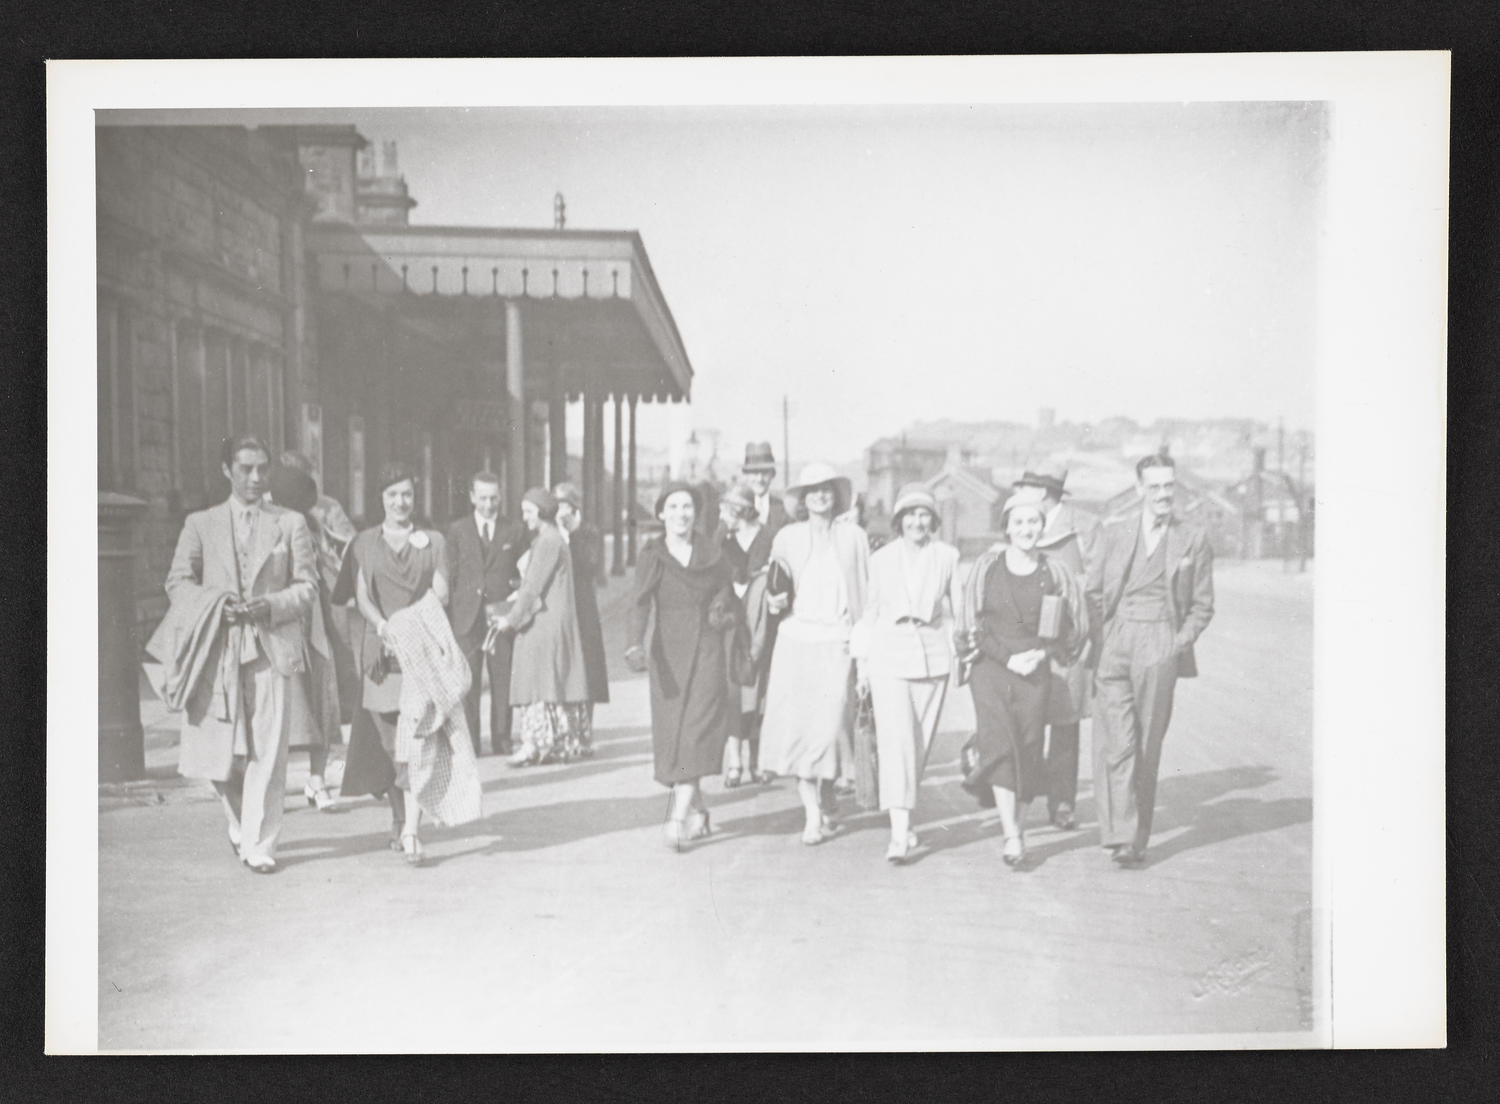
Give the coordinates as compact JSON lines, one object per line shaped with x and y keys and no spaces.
{"x":1182,"y":801}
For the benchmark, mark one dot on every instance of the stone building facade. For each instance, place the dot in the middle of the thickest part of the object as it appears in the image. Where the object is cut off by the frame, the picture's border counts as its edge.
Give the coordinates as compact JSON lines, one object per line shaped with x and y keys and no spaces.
{"x":201,"y":316}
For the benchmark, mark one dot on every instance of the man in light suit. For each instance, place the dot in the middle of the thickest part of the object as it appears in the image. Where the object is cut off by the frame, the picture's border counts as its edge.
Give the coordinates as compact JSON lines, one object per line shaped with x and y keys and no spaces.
{"x":1068,"y":537}
{"x":1151,"y":589}
{"x":253,"y":564}
{"x":482,"y":552}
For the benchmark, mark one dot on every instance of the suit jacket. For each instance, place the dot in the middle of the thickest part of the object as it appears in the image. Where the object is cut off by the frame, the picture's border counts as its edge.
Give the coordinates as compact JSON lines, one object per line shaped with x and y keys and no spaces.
{"x":909,"y":650}
{"x":478,"y":574}
{"x":1190,"y":581}
{"x":283,"y":569}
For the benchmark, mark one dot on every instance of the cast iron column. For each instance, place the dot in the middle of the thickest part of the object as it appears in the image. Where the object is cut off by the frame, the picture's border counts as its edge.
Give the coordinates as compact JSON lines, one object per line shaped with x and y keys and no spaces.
{"x":630,"y":493}
{"x":616,"y":500}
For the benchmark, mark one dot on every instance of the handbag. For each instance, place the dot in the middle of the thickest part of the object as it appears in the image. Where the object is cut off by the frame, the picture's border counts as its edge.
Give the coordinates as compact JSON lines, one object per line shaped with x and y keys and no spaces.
{"x":866,"y":754}
{"x":968,"y":764}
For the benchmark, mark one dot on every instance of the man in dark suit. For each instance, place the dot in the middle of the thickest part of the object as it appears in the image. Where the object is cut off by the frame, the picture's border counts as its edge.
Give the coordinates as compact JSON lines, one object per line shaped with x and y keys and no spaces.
{"x":482,"y":552}
{"x":1151,"y":590}
{"x":759,"y":471}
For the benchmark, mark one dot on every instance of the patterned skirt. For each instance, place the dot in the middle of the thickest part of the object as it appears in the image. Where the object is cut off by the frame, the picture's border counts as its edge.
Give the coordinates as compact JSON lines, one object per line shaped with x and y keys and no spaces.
{"x":556,"y":730}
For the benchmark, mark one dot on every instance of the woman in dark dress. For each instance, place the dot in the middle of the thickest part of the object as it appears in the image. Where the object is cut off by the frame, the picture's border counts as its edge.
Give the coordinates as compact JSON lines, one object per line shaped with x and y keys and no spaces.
{"x":686,"y":580}
{"x":397,"y":564}
{"x":586,"y":546}
{"x":1012,"y":674}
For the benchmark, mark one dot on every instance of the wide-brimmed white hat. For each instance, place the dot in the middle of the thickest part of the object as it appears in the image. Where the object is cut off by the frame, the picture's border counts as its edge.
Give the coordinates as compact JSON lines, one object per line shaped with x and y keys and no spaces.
{"x":818,"y":473}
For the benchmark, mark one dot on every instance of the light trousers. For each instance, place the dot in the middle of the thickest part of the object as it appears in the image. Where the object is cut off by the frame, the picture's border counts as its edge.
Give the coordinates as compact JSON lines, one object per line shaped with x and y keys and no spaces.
{"x":1132,"y":707}
{"x":256,"y":789}
{"x":906,"y":720}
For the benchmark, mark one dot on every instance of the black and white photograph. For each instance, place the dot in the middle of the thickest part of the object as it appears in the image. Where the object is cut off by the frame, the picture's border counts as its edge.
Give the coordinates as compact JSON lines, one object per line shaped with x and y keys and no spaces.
{"x":709,"y":562}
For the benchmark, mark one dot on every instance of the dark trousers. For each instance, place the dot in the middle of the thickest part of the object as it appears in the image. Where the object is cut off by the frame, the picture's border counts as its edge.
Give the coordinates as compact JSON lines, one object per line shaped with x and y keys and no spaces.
{"x":497,"y":663}
{"x":1062,"y":766}
{"x":1132,"y":707}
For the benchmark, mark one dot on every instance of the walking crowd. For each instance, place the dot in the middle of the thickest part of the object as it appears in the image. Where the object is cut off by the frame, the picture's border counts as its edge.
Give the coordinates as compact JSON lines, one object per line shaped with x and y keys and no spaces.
{"x":784,"y":642}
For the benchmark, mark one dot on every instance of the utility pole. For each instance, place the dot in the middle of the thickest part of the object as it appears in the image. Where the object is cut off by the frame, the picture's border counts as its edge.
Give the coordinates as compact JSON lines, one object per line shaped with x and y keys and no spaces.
{"x":786,"y":440}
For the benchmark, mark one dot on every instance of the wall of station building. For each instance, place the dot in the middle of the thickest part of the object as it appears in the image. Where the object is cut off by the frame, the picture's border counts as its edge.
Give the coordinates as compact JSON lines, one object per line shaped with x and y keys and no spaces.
{"x":211,"y":323}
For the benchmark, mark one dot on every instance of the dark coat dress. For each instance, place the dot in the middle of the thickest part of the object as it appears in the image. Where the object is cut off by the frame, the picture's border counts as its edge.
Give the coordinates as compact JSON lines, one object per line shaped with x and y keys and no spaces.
{"x":587,"y":547}
{"x":691,"y":710}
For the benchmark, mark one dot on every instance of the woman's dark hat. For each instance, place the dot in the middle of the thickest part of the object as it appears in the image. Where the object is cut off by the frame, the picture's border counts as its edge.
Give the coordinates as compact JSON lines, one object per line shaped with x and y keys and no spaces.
{"x":542,"y":499}
{"x":671,"y":489}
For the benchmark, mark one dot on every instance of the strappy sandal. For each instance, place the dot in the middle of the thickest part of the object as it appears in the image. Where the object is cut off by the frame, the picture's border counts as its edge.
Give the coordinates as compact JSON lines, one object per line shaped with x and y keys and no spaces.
{"x":732,"y":778}
{"x":318,"y":797}
{"x":697,"y":825}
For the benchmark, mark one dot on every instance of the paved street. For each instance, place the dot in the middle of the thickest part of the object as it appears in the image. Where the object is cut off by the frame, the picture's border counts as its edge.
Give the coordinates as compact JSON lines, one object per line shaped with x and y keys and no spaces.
{"x":561,"y":922}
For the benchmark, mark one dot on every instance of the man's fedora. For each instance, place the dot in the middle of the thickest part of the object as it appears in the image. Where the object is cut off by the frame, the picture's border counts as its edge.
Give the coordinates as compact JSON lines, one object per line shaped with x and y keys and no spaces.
{"x":1049,"y":477}
{"x":758,"y":457}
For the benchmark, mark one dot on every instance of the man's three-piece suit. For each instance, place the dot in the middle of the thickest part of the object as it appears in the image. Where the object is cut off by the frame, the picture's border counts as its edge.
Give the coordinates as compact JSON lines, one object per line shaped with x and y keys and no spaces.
{"x":1151,"y":603}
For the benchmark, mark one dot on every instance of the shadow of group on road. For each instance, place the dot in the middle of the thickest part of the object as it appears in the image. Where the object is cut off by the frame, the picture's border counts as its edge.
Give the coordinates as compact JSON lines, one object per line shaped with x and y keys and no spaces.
{"x":1195,"y":803}
{"x":1190,"y":801}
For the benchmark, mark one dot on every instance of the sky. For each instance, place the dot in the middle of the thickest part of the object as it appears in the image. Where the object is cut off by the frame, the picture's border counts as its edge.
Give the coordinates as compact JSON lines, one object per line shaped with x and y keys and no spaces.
{"x":880,"y":265}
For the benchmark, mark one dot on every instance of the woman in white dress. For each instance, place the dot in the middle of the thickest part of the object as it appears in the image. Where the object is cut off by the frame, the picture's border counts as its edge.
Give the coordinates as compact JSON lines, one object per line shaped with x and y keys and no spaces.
{"x":903,"y":652}
{"x":810,"y":696}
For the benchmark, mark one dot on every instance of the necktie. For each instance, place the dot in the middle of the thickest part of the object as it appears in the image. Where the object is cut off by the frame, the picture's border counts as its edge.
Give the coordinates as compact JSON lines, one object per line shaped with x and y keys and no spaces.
{"x":486,"y":532}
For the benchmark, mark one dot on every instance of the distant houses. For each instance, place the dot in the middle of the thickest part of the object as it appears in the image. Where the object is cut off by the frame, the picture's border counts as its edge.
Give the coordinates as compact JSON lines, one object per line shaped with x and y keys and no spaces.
{"x":1223,"y":483}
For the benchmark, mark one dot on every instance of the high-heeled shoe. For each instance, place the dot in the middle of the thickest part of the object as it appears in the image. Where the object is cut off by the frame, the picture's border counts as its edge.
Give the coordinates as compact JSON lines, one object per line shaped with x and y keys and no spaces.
{"x":732,"y":778}
{"x":697,"y":824}
{"x":673,"y":833}
{"x":1015,"y":851}
{"x":411,"y":848}
{"x":318,"y":796}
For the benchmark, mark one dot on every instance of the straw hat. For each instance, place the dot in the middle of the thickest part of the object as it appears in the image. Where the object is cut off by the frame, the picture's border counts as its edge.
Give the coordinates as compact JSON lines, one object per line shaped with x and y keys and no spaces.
{"x":818,"y":473}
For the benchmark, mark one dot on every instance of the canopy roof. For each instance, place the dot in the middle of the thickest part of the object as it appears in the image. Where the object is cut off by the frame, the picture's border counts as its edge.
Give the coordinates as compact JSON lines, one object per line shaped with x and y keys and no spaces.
{"x":590,"y":306}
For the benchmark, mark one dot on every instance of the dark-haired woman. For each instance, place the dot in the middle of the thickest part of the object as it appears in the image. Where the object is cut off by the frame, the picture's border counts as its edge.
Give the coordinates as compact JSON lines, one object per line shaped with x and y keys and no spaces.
{"x":1003,"y":603}
{"x":686,"y":581}
{"x":397,"y":563}
{"x":548,"y":674}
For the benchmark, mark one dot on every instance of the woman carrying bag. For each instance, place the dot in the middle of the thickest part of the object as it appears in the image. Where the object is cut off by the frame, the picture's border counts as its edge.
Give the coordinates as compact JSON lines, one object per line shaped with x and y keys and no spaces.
{"x":902,"y":650}
{"x":1024,"y":610}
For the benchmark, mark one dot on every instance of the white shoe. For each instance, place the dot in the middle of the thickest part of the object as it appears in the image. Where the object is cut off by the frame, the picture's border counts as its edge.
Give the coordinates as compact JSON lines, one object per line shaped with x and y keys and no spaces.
{"x":900,"y":850}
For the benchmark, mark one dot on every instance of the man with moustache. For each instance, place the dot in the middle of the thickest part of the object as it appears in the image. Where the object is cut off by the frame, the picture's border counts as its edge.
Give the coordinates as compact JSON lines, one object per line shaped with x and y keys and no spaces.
{"x":1151,"y":589}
